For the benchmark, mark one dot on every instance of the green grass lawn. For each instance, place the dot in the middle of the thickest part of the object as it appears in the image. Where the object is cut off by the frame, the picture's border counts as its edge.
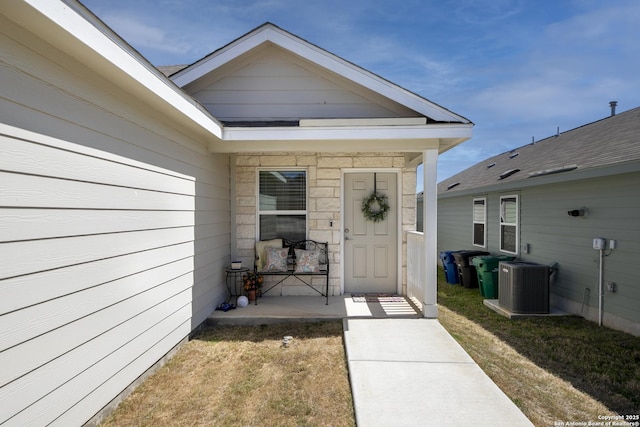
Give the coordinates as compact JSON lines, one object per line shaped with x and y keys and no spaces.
{"x":553,"y":368}
{"x":599,"y":361}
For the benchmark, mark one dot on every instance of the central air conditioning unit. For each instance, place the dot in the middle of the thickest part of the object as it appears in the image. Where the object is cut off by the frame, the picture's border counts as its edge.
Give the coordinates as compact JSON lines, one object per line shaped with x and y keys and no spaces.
{"x":523,"y":287}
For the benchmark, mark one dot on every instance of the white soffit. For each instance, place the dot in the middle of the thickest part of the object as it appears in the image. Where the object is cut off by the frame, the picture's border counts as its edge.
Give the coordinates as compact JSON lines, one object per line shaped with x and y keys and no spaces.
{"x":271,"y":33}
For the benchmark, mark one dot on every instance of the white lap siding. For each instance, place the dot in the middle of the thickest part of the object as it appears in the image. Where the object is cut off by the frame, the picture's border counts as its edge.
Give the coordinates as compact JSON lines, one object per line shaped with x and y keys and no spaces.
{"x":96,"y":276}
{"x":114,"y":235}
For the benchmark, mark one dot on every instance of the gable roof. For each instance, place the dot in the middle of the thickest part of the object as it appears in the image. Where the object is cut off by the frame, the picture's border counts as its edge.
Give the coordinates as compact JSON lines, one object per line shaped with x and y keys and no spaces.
{"x":269,"y":33}
{"x":79,"y":34}
{"x":610,"y":142}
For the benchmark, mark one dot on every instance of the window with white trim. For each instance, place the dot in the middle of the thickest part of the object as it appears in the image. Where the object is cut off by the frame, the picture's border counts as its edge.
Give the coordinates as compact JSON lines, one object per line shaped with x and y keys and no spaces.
{"x":282,"y":204}
{"x":479,"y":222}
{"x":509,"y":224}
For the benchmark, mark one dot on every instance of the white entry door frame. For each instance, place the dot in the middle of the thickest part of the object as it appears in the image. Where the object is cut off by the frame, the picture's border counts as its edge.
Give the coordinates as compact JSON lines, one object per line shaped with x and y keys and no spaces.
{"x":398,"y":224}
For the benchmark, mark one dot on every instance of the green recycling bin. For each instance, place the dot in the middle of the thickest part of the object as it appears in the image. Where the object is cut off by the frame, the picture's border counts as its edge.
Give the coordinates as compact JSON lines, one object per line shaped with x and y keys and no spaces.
{"x":487,"y":271}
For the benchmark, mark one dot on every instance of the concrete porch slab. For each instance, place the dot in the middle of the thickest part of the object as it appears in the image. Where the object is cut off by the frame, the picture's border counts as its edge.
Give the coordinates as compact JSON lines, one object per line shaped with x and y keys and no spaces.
{"x":278,"y":309}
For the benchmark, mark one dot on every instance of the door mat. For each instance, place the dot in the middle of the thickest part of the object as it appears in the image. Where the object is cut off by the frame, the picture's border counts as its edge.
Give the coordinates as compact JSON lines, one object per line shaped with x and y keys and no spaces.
{"x":377,"y":298}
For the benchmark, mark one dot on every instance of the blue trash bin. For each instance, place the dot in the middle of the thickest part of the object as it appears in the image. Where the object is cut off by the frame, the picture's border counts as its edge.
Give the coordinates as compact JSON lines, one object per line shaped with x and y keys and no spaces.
{"x":449,"y":266}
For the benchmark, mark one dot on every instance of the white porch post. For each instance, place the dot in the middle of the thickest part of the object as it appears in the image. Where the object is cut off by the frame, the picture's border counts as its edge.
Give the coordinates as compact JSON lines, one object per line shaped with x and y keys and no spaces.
{"x":233,"y":207}
{"x":430,"y":231}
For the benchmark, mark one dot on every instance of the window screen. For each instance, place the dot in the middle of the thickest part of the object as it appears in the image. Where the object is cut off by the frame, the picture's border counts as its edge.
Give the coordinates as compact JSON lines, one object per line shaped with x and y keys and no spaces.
{"x":282,"y":204}
{"x":479,"y":221}
{"x":509,"y":224}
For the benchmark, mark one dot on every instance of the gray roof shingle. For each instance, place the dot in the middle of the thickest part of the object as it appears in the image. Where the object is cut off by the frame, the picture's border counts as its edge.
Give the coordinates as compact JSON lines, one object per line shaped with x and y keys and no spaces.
{"x":168,"y":70}
{"x":609,"y":141}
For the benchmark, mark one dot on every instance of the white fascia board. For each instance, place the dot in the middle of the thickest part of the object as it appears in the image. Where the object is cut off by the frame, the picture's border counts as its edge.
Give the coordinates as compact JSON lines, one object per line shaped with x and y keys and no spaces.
{"x":218,"y":59}
{"x":321,"y":57}
{"x":326,"y":146}
{"x":86,"y":29}
{"x":446,"y":131}
{"x":361,"y":76}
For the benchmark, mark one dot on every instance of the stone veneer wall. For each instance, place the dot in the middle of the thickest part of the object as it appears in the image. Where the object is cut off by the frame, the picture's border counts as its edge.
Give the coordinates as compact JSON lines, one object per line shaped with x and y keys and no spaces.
{"x":324,"y":192}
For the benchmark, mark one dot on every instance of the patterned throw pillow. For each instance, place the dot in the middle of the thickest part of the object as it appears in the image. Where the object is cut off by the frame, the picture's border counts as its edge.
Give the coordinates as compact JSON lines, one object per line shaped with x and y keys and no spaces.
{"x":307,"y":261}
{"x":276,"y":259}
{"x":261,"y":254}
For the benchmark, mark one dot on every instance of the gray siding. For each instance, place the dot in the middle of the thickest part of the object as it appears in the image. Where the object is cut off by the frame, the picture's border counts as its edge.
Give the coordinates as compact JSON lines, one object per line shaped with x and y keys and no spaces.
{"x":613,"y":205}
{"x":553,"y":236}
{"x":455,"y":224}
{"x":114,"y":235}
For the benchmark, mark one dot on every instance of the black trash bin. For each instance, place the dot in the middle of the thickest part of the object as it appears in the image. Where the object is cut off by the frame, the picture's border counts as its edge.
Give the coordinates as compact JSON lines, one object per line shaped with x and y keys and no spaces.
{"x":466,"y":270}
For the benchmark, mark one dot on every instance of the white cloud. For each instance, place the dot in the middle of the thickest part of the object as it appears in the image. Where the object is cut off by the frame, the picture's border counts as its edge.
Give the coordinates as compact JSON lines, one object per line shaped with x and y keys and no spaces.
{"x":145,"y":36}
{"x":486,"y":12}
{"x":565,"y":78}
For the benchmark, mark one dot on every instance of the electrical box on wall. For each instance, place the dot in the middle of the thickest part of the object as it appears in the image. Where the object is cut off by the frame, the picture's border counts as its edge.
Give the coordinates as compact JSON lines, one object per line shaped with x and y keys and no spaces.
{"x":598,"y":243}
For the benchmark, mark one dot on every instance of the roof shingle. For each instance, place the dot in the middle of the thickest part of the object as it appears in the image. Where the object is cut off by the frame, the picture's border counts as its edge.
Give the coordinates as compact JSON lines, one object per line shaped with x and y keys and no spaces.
{"x":606,"y":142}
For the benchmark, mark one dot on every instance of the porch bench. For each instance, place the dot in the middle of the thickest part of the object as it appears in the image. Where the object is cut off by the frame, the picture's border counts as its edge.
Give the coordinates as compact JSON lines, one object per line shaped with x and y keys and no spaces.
{"x":303,"y":260}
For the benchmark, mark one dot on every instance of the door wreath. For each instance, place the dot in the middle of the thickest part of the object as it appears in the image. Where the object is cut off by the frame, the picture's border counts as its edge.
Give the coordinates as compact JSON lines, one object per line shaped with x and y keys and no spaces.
{"x":375,"y":207}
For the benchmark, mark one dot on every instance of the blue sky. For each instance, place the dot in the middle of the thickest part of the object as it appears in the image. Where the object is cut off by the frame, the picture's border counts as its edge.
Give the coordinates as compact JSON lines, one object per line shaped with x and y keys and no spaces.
{"x":517,"y":68}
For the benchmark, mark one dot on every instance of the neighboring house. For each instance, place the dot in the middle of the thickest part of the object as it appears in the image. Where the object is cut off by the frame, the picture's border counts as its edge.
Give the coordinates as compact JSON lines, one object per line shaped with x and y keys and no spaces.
{"x":125,"y":195}
{"x":522,"y":203}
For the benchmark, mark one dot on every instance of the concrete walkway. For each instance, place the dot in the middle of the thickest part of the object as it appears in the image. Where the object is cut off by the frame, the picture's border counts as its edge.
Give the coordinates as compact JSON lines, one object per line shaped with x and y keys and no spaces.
{"x":404,"y":370}
{"x":411,"y":372}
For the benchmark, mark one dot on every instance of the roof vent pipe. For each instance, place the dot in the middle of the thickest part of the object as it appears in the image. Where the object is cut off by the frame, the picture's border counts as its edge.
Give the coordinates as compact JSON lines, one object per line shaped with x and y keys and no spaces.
{"x":613,"y":104}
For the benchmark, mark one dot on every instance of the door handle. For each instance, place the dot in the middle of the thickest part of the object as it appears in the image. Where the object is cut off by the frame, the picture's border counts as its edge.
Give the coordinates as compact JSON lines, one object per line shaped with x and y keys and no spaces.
{"x":346,"y":230}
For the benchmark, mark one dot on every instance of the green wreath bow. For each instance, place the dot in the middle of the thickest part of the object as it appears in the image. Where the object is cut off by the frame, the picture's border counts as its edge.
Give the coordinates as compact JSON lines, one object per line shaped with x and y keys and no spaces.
{"x":375,"y":207}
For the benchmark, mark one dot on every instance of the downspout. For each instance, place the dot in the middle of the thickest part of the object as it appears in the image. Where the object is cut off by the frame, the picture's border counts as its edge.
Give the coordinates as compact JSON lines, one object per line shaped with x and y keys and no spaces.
{"x":600,"y":290}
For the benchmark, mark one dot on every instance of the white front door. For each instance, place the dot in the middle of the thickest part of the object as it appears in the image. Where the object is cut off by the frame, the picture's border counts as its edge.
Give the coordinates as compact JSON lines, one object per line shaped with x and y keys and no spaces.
{"x":370,"y":249}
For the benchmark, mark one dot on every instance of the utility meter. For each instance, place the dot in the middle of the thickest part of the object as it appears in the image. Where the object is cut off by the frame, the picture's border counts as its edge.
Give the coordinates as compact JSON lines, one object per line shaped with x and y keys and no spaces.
{"x":598,"y":243}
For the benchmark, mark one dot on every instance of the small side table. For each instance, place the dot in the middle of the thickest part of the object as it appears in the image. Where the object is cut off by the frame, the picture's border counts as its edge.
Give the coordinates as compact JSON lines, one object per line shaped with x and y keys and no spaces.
{"x":234,"y":277}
